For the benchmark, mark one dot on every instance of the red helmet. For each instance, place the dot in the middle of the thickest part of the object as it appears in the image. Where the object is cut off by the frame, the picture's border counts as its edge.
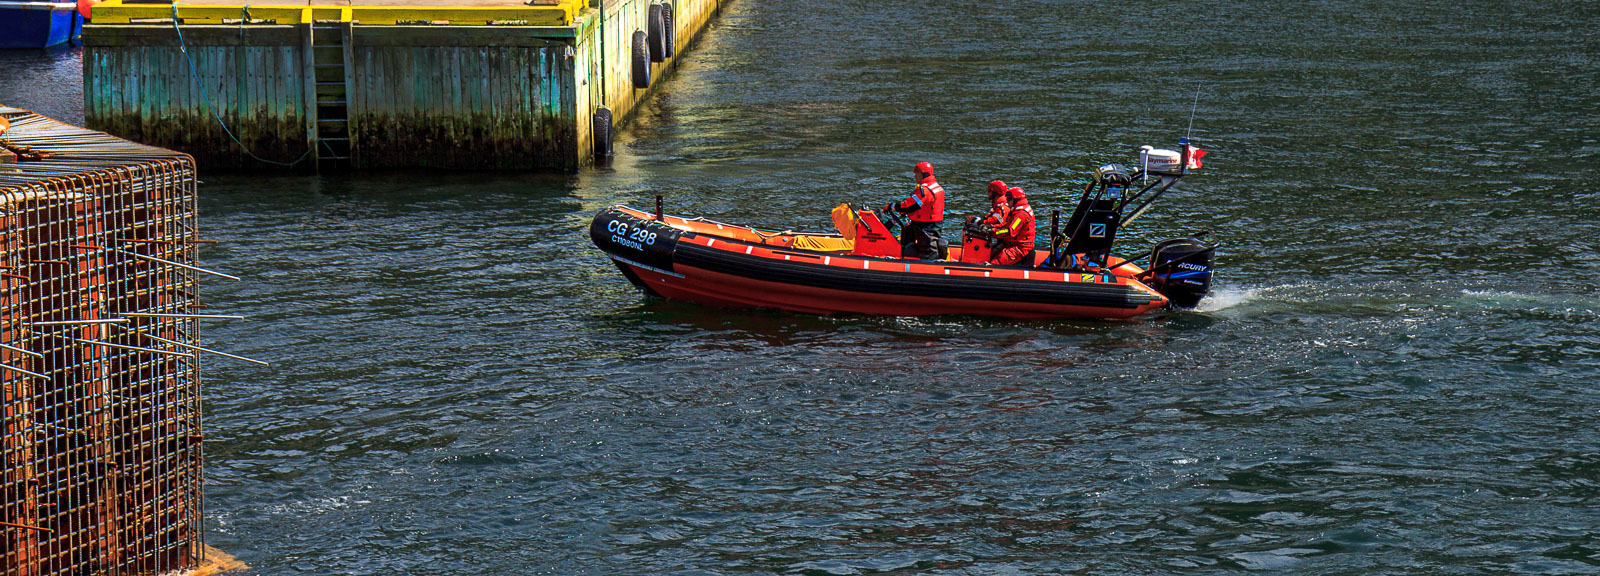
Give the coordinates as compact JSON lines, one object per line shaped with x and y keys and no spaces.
{"x":1016,"y":194}
{"x":997,"y":189}
{"x":924,"y":168}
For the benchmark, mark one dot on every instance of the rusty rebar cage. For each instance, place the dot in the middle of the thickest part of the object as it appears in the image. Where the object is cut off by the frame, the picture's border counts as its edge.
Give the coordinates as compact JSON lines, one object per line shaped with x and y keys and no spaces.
{"x":100,"y":425}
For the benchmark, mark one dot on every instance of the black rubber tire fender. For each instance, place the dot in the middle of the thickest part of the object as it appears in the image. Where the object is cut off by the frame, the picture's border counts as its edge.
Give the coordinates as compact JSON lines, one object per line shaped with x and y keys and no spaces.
{"x":658,"y":33}
{"x":672,"y":30}
{"x":603,"y":133}
{"x":641,"y":61}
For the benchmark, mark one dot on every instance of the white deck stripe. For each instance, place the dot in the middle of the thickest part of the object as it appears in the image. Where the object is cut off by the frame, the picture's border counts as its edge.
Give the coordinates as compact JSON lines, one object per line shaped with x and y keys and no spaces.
{"x":650,"y":268}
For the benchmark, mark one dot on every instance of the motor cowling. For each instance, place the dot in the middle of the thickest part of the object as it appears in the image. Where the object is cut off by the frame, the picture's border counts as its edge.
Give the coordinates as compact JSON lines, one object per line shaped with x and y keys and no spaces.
{"x":1181,"y":269}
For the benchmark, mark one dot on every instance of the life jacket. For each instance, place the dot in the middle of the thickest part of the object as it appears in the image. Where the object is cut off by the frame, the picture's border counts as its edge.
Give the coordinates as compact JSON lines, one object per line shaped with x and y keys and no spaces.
{"x":926,"y":203}
{"x":1018,"y":227}
{"x":997,"y":213}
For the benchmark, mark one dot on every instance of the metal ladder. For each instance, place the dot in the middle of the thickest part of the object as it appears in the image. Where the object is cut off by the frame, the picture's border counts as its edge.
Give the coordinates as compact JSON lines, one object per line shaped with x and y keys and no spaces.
{"x":328,"y":45}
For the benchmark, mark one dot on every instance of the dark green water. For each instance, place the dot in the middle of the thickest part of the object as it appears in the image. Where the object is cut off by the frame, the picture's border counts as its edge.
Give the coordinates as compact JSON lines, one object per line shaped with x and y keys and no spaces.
{"x":1397,"y":375}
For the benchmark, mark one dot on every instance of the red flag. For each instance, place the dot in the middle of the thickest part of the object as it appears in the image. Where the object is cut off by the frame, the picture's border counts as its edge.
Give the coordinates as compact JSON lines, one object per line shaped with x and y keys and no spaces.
{"x":1194,"y":157}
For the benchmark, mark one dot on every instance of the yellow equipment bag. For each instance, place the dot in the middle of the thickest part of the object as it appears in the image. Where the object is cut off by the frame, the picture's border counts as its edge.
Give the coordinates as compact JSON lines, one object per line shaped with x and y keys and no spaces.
{"x":844,"y":218}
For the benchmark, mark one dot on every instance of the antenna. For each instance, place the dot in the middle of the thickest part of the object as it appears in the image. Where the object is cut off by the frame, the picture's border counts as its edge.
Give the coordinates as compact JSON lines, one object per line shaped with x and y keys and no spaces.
{"x":1192,"y":111}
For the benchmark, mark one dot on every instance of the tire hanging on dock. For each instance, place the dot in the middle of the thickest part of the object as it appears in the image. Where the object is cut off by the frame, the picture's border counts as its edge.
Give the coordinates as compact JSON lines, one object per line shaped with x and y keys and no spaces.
{"x":658,"y":34}
{"x":641,"y":61}
{"x":672,"y":29}
{"x":602,"y":135}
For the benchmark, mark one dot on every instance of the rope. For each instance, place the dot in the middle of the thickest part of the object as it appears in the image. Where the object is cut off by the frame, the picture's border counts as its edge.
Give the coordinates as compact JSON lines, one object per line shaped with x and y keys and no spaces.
{"x":758,"y":232}
{"x":194,"y":74}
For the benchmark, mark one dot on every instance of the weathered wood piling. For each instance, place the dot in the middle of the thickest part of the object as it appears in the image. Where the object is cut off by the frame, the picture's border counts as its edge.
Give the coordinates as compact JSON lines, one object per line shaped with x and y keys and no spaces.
{"x":476,"y":85}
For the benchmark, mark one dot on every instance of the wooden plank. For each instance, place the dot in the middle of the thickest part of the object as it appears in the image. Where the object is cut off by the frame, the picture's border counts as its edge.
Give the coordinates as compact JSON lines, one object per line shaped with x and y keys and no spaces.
{"x":308,"y":90}
{"x":392,"y":113}
{"x":249,"y":104}
{"x":569,"y":112}
{"x":352,"y":107}
{"x":481,"y":109}
{"x":527,"y":114}
{"x":272,"y":106}
{"x":453,"y":36}
{"x":500,"y":118}
{"x":141,"y":102}
{"x":116,"y":12}
{"x":134,"y":35}
{"x":236,"y":104}
{"x":459,"y":95}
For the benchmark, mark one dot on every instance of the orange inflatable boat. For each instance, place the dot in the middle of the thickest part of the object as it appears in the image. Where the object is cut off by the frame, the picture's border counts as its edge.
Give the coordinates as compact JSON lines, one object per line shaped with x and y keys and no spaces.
{"x":860,"y":269}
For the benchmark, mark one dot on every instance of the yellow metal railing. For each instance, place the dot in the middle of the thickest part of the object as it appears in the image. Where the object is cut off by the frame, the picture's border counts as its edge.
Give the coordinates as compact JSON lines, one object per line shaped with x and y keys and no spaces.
{"x":116,"y":12}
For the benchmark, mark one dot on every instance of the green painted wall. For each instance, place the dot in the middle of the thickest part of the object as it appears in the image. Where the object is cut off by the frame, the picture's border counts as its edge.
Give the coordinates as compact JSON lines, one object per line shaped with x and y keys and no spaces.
{"x":439,"y":98}
{"x":138,"y":85}
{"x":469,"y":97}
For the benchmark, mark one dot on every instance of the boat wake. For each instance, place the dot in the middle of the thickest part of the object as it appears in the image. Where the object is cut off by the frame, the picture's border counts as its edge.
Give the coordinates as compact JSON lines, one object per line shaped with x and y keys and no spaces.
{"x":1225,"y":298}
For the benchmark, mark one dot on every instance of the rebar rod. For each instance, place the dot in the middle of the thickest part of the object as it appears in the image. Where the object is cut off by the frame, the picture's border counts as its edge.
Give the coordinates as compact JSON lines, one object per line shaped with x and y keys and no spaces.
{"x":158,"y":315}
{"x":28,"y":372}
{"x":22,"y":351}
{"x":80,"y":322}
{"x":127,"y":347}
{"x":25,"y":526}
{"x":171,"y":263}
{"x":202,"y":349}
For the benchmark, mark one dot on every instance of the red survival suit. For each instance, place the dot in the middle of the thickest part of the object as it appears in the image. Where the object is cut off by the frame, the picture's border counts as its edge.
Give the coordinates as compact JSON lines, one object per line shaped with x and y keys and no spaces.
{"x":997,"y":196}
{"x":1016,"y":235}
{"x":925,"y":208}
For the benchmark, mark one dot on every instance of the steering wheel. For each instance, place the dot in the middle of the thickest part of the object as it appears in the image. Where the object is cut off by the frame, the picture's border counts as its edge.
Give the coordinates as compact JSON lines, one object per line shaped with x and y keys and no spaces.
{"x":891,"y":218}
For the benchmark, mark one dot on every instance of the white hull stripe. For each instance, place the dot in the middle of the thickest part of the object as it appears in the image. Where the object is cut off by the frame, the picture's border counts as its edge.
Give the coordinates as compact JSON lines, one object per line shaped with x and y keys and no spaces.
{"x":646,"y":267}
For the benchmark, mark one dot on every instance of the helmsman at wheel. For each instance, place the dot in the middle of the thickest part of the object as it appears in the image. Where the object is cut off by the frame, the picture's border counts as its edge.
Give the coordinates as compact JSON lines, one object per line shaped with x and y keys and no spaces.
{"x":925,"y":208}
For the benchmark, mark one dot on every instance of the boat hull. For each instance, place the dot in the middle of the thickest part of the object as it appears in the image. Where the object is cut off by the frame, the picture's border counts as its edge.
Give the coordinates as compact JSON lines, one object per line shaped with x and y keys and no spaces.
{"x":38,"y":24}
{"x":732,"y":272}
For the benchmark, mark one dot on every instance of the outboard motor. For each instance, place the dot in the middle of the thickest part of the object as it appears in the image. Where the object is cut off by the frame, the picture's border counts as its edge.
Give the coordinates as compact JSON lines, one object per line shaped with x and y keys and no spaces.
{"x":1180,"y":269}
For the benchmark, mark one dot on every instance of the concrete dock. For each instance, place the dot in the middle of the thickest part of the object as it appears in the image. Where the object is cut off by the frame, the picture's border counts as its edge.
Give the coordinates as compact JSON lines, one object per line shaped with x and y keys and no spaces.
{"x":467,"y":84}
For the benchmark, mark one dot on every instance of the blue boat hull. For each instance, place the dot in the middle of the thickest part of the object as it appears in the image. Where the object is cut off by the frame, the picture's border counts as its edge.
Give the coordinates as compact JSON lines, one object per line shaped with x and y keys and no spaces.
{"x":38,"y":24}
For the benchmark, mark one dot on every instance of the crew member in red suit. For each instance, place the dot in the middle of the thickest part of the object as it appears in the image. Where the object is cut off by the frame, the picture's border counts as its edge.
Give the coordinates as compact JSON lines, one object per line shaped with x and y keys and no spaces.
{"x":1001,"y":205}
{"x":1016,"y":235}
{"x":925,"y":210}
